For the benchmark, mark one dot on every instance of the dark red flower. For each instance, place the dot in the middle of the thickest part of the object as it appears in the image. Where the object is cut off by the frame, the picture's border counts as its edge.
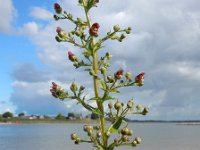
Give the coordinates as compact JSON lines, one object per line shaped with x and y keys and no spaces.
{"x":54,"y":85}
{"x":59,"y":29}
{"x":119,"y":74}
{"x":57,"y":8}
{"x":140,"y":78}
{"x":94,"y":29}
{"x":71,"y":56}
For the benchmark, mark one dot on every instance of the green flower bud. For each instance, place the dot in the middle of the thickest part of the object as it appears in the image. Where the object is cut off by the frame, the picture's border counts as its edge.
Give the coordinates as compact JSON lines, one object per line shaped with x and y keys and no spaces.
{"x":108,"y":134}
{"x":108,"y":55}
{"x":122,"y":36}
{"x":69,"y":16}
{"x":138,"y":107}
{"x":103,"y":70}
{"x":110,"y":105}
{"x":92,"y":73}
{"x":129,"y":28}
{"x":145,"y":111}
{"x":128,"y":31}
{"x":116,"y":28}
{"x":138,"y":140}
{"x":128,"y":76}
{"x":79,"y":20}
{"x":56,"y":17}
{"x":130,"y":103}
{"x":98,"y":134}
{"x":73,"y":87}
{"x":90,"y":132}
{"x":74,"y":136}
{"x":118,"y":106}
{"x":77,"y":141}
{"x":125,"y":131}
{"x":134,"y":143}
{"x":125,"y":138}
{"x":110,"y":79}
{"x":78,"y":33}
{"x":58,"y":39}
{"x":130,"y":133}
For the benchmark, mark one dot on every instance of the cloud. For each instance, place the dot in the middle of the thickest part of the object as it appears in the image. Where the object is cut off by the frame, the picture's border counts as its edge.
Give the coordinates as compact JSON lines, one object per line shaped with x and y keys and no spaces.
{"x":8,"y":14}
{"x":164,"y":44}
{"x":41,"y":13}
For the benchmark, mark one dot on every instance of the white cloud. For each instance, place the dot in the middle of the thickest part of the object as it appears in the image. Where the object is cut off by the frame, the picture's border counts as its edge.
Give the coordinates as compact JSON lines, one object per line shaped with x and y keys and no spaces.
{"x":30,"y":28}
{"x":41,"y":13}
{"x":165,"y":34}
{"x":8,"y":14}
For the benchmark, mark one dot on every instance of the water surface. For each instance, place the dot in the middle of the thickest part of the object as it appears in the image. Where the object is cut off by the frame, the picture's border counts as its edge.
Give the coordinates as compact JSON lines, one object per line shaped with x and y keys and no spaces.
{"x":155,"y":136}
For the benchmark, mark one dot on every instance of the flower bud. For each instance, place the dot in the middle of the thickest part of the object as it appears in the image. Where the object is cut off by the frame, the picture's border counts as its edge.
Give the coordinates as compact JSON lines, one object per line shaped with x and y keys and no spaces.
{"x":72,"y":57}
{"x":122,"y":36}
{"x":138,"y":107}
{"x":77,"y":141}
{"x":103,"y":70}
{"x":57,"y":8}
{"x":94,"y":29}
{"x":125,"y":131}
{"x":118,"y":106}
{"x":56,"y":17}
{"x":108,"y":55}
{"x":116,"y":28}
{"x":138,"y":140}
{"x":130,"y":133}
{"x":145,"y":111}
{"x":128,"y":76}
{"x":90,"y":132}
{"x":130,"y":103}
{"x":61,"y":32}
{"x":107,"y":134}
{"x":110,"y":105}
{"x":98,"y":134}
{"x":73,"y":87}
{"x":74,"y":136}
{"x":134,"y":143}
{"x":140,"y":78}
{"x":125,"y":138}
{"x":119,"y":74}
{"x":110,"y":79}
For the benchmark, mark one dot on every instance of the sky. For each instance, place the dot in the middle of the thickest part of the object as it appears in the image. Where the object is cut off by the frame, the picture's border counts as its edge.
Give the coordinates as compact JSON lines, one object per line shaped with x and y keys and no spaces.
{"x":164,"y":44}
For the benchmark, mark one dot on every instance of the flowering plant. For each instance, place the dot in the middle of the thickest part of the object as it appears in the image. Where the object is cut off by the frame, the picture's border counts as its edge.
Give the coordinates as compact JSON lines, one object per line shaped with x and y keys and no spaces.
{"x":85,"y":36}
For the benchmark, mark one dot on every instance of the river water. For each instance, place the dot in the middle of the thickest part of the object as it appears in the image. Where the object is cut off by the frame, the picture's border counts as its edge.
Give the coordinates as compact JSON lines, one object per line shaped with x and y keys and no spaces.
{"x":155,"y":136}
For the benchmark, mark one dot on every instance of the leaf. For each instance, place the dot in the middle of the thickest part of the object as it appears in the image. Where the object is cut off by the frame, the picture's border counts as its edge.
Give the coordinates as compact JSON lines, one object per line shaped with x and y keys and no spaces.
{"x":103,"y":85}
{"x":114,"y":127}
{"x":109,"y":98}
{"x":114,"y":91}
{"x":96,"y":98}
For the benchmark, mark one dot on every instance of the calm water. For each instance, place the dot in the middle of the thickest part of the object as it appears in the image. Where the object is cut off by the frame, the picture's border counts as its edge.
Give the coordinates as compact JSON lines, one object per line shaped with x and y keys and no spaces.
{"x":155,"y":136}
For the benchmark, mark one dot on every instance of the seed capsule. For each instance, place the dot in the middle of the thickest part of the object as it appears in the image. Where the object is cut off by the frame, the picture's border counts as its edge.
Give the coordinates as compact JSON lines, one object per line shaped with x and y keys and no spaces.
{"x":138,"y":140}
{"x":74,"y":136}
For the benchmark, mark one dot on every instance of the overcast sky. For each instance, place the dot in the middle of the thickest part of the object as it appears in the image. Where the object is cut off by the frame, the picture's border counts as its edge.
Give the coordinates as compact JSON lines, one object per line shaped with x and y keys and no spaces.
{"x":165,"y":44}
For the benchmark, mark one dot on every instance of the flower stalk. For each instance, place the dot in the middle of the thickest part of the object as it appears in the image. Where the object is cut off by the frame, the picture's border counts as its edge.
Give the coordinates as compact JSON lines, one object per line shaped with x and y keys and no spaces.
{"x":98,"y":135}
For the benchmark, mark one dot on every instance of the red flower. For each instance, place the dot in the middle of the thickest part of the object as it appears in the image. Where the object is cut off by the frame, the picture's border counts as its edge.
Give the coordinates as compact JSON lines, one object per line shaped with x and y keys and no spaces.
{"x":59,"y":29}
{"x":140,"y":78}
{"x":54,"y":89}
{"x":71,"y":56}
{"x":94,"y":29}
{"x":57,"y":8}
{"x":119,"y":74}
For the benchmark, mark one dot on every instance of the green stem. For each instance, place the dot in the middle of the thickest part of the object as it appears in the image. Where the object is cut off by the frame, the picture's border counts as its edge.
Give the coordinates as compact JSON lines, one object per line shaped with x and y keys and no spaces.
{"x":96,"y":84}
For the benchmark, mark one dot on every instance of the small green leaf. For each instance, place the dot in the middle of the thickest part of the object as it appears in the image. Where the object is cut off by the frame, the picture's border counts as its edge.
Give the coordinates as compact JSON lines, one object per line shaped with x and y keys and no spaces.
{"x":103,"y":85}
{"x":114,"y":91}
{"x":109,"y":98}
{"x":114,"y":127}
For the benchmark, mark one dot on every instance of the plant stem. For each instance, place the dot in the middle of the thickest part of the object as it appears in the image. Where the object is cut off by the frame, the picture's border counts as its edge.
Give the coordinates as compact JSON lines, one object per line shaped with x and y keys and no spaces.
{"x":96,"y":83}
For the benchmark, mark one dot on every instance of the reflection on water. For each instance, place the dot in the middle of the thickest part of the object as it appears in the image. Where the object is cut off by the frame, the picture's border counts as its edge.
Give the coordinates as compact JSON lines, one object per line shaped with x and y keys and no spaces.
{"x":155,"y":136}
